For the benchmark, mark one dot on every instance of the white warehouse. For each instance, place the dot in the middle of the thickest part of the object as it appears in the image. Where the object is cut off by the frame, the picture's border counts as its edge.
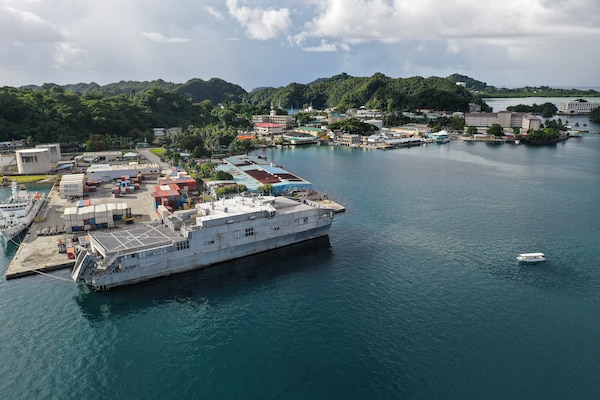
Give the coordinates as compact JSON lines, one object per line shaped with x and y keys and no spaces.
{"x":107,"y":173}
{"x":33,"y":161}
{"x":54,"y":149}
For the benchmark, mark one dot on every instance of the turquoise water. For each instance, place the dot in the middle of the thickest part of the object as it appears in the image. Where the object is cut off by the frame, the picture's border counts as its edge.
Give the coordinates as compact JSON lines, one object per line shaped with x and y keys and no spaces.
{"x":417,"y":295}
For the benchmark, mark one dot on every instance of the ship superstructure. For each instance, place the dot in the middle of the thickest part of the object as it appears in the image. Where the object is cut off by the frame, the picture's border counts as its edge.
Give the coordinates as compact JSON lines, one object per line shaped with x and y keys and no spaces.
{"x":18,"y":211}
{"x":209,"y":233}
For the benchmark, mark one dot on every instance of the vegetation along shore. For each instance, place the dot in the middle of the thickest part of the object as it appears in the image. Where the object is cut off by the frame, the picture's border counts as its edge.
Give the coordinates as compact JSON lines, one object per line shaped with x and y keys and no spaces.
{"x":215,"y":117}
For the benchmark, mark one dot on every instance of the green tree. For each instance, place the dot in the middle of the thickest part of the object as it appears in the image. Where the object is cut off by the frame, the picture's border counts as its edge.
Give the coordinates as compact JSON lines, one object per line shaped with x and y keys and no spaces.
{"x":207,"y":170}
{"x":495,"y":130}
{"x":266,"y":189}
{"x":303,"y":118}
{"x":97,"y":142}
{"x":457,"y":123}
{"x":354,"y":126}
{"x":222,"y":176}
{"x":595,"y":115}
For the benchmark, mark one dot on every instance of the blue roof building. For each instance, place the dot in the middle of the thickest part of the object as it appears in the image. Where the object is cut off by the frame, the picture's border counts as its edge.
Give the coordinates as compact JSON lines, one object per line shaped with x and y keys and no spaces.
{"x":255,"y":172}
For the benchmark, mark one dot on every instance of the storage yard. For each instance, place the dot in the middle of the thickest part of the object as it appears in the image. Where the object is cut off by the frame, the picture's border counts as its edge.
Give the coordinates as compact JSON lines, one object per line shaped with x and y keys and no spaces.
{"x":50,"y":241}
{"x":121,"y":196}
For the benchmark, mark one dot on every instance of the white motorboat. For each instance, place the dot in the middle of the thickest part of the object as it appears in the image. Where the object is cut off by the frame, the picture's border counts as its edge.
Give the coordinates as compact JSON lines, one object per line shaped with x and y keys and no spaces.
{"x":531,"y":258}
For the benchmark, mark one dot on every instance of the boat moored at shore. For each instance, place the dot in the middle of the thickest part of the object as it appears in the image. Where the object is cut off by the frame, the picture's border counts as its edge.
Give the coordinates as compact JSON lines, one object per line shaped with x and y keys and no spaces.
{"x":18,"y":211}
{"x":208,"y":234}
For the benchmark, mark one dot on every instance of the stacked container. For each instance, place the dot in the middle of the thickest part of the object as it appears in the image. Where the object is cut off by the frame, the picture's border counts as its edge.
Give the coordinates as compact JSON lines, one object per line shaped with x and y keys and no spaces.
{"x":71,"y":185}
{"x":99,"y":216}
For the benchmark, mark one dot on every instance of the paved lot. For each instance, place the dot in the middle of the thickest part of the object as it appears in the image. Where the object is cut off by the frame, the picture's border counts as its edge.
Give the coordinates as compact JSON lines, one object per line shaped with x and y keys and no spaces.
{"x":39,"y":252}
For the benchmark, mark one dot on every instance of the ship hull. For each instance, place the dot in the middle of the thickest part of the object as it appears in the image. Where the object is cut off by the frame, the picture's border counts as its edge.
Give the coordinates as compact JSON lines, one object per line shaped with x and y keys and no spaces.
{"x":235,"y":231}
{"x":156,"y":269}
{"x":19,"y":217}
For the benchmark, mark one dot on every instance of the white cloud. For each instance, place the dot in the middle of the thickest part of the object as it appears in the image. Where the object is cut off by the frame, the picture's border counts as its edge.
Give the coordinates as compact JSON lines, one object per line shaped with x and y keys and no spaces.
{"x":358,"y":21}
{"x":24,"y":26}
{"x":261,"y":24}
{"x":215,"y":13}
{"x":67,"y":54}
{"x":534,"y":42}
{"x":160,"y":38}
{"x":323,"y":47}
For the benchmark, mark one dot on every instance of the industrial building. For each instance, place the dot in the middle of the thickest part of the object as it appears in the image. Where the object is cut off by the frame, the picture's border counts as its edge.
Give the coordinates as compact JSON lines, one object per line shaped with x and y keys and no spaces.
{"x":33,"y":161}
{"x":54,"y":149}
{"x":255,"y":172}
{"x":107,"y":173}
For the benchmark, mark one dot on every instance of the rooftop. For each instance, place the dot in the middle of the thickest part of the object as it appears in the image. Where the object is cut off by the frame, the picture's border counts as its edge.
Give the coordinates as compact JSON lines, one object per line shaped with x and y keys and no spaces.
{"x":256,"y":171}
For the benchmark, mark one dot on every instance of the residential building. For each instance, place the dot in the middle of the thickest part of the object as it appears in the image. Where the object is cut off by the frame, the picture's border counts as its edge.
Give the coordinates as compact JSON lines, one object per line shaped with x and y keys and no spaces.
{"x":347,"y":139}
{"x":286,"y":121}
{"x":505,"y":119}
{"x":577,"y":107}
{"x":268,"y":128}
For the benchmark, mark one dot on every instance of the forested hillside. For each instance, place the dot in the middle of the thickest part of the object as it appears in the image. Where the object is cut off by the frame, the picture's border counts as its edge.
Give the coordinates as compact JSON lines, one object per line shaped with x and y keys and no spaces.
{"x":71,"y":113}
{"x":378,"y":92}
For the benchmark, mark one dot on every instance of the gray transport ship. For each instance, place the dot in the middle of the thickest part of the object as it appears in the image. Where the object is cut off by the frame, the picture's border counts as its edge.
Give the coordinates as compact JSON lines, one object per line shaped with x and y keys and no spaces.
{"x":210,"y":233}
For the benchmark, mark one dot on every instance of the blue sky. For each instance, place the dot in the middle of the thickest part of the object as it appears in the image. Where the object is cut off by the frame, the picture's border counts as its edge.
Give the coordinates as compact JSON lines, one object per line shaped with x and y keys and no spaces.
{"x":256,"y":43}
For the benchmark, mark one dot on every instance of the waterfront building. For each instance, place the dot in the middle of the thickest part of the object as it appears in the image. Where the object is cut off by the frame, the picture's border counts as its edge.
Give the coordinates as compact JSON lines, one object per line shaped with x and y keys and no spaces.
{"x":577,"y":107}
{"x":505,"y":119}
{"x":349,"y":140}
{"x":255,"y":172}
{"x":268,"y":128}
{"x":309,"y":130}
{"x":530,"y":122}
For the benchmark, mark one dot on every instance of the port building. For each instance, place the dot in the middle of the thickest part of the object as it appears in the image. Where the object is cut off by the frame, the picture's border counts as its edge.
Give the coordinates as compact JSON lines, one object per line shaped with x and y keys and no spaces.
{"x":255,"y":172}
{"x":107,"y":173}
{"x":54,"y":151}
{"x":33,"y":161}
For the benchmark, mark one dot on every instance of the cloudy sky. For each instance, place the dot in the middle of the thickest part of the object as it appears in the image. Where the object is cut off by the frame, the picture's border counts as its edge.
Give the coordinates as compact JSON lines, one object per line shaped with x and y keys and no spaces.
{"x":255,"y":43}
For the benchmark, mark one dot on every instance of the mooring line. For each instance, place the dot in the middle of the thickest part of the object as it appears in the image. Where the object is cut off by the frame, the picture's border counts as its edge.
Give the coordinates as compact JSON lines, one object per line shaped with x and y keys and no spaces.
{"x":52,"y":276}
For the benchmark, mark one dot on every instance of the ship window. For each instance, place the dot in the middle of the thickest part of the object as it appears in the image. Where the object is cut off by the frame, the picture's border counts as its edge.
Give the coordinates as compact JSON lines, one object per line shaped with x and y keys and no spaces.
{"x":183,"y":245}
{"x":275,"y":228}
{"x":249,"y":231}
{"x":286,"y":223}
{"x":209,"y":242}
{"x":236,"y":234}
{"x":302,"y":221}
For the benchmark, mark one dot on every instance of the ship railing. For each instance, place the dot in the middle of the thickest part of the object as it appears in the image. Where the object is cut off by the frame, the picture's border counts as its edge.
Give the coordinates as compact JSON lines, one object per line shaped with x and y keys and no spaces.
{"x":110,"y":264}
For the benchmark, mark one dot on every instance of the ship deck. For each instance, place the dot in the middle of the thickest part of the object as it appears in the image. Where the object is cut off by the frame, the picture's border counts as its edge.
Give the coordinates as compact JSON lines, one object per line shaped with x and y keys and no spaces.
{"x":135,"y":238}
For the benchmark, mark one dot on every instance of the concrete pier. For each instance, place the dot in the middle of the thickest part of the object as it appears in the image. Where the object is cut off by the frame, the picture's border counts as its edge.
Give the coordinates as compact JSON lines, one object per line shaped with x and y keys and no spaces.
{"x":38,"y":251}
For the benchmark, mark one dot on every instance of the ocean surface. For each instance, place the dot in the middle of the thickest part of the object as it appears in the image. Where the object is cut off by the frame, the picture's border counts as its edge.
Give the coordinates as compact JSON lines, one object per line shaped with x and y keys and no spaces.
{"x":416,"y":294}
